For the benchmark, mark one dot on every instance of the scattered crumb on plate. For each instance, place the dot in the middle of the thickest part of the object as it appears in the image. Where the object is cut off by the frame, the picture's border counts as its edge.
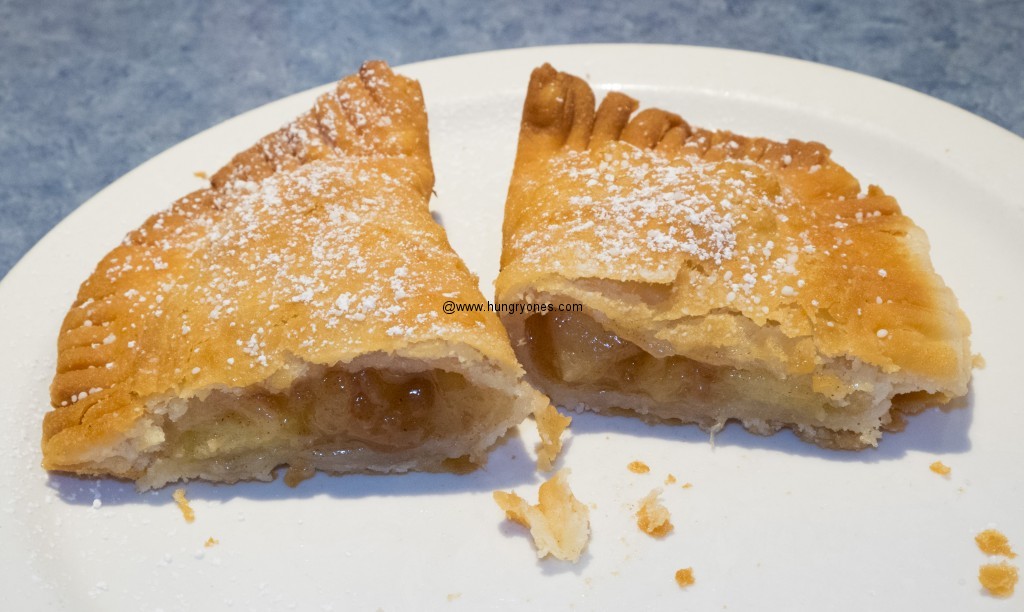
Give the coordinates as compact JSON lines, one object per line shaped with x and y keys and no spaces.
{"x":998,"y":579}
{"x":670,"y":479}
{"x":684,"y":577}
{"x":652,"y":517}
{"x":940,"y":468}
{"x":993,"y":542}
{"x":454,"y":596}
{"x":186,"y":510}
{"x":201,"y":175}
{"x":687,"y":485}
{"x":559,"y":524}
{"x":550,"y":425}
{"x":638,"y":467}
{"x":211,"y":542}
{"x":978,"y":361}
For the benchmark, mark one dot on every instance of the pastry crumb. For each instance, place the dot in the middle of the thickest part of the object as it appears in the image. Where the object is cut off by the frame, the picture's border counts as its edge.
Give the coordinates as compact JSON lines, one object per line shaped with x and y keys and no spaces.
{"x":638,"y":467}
{"x":687,"y":485}
{"x":454,"y":596}
{"x":559,"y":524}
{"x":182,"y":501}
{"x":940,"y":468}
{"x":201,"y":175}
{"x":978,"y":361}
{"x":550,"y":425}
{"x":298,"y":472}
{"x":998,"y":579}
{"x":684,"y":577}
{"x":670,"y":479}
{"x":993,"y":542}
{"x":652,"y":517}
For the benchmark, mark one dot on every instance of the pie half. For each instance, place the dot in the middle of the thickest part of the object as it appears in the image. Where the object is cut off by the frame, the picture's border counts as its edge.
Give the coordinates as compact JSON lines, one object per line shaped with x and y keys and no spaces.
{"x":289,"y":314}
{"x":718,"y":276}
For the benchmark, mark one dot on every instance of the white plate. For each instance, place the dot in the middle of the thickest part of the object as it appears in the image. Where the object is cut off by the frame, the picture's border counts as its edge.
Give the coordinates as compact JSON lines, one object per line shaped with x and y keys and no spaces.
{"x":769,"y":523}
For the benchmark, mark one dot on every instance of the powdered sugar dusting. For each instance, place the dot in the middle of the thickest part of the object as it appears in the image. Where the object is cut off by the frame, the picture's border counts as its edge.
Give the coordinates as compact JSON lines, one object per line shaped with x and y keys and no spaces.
{"x":719,"y":224}
{"x":302,"y":247}
{"x":639,"y":206}
{"x":258,"y":261}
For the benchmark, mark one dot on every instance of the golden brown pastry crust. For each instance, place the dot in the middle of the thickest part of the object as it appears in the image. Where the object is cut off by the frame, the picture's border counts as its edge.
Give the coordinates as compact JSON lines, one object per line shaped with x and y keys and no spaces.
{"x":314,"y":246}
{"x":738,"y":252}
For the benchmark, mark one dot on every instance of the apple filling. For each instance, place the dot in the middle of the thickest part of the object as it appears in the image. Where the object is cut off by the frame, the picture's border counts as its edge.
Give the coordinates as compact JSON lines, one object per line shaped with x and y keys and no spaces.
{"x":576,"y":357}
{"x":330,"y":418}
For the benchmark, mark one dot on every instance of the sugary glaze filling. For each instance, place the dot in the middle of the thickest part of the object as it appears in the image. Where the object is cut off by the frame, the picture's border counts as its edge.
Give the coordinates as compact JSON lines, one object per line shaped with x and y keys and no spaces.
{"x":329,"y":411}
{"x":576,"y":351}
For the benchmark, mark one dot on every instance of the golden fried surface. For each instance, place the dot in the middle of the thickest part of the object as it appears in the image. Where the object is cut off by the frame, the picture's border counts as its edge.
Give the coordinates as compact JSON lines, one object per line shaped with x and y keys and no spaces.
{"x":728,"y":250}
{"x":315,"y":246}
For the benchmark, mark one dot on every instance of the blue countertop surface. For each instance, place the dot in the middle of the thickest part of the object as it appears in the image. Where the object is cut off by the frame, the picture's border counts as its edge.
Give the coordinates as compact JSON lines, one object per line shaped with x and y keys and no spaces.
{"x":90,"y":90}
